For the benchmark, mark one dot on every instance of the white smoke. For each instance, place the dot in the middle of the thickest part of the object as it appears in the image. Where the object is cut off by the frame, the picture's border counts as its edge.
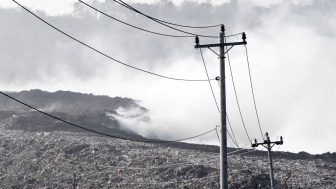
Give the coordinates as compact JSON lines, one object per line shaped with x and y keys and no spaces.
{"x":52,"y":107}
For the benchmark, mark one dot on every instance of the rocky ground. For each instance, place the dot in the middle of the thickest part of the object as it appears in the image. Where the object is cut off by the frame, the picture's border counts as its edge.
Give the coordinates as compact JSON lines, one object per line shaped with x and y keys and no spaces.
{"x":50,"y":159}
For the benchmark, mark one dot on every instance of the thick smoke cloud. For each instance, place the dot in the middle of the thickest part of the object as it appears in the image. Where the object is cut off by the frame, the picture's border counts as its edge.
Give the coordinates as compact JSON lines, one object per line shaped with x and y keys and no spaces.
{"x":291,"y":47}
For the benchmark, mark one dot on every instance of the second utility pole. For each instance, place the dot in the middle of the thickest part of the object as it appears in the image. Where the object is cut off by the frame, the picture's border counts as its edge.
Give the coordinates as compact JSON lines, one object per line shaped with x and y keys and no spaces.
{"x":267,"y":144}
{"x":223,"y":146}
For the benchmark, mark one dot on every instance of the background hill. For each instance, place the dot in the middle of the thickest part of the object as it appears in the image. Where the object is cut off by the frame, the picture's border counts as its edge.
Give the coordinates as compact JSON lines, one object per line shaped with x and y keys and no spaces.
{"x":92,"y":112}
{"x":66,"y":101}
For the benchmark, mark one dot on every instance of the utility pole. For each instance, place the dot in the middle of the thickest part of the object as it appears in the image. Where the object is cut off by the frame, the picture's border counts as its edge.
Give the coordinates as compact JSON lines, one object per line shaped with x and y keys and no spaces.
{"x":223,"y":143}
{"x":267,"y":144}
{"x":74,"y":181}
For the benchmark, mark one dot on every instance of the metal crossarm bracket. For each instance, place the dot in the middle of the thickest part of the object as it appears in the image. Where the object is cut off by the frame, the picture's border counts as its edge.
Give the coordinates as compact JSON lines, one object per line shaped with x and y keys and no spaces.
{"x":220,"y":44}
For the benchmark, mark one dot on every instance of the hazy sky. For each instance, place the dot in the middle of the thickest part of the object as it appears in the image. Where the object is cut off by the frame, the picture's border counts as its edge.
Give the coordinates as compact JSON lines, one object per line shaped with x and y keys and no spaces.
{"x":291,"y":47}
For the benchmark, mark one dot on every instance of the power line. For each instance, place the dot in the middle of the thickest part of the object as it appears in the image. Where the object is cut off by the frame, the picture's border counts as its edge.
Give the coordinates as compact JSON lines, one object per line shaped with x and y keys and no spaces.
{"x":255,"y":106}
{"x":235,"y":91}
{"x":217,"y":134}
{"x":206,"y":71}
{"x":186,"y":26}
{"x":162,"y":76}
{"x":234,"y":141}
{"x":162,"y":22}
{"x":133,"y":9}
{"x":97,"y":132}
{"x":232,"y":130}
{"x":167,"y":35}
{"x":213,"y":94}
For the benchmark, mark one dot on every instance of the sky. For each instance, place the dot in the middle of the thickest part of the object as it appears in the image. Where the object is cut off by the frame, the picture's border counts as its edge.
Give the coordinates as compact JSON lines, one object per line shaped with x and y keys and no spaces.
{"x":291,"y":49}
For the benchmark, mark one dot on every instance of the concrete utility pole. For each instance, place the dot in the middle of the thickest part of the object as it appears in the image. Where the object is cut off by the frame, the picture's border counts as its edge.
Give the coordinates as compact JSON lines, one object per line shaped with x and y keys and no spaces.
{"x":223,"y":146}
{"x":269,"y":147}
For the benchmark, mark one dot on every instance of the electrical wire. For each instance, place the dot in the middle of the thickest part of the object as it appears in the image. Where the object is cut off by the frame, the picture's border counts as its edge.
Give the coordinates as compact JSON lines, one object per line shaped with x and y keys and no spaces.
{"x":234,"y":142}
{"x":162,"y":76}
{"x":133,"y":9}
{"x":235,"y":91}
{"x":97,"y":132}
{"x":186,"y":26}
{"x":167,"y":35}
{"x":255,"y":106}
{"x":217,"y":135}
{"x":158,"y":21}
{"x":206,"y":71}
{"x":232,"y":130}
{"x":162,"y":22}
{"x":213,"y":94}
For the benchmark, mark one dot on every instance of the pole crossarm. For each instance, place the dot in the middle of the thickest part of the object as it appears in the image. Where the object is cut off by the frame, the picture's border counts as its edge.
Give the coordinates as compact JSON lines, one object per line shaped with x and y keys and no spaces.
{"x":220,"y":44}
{"x":256,"y":144}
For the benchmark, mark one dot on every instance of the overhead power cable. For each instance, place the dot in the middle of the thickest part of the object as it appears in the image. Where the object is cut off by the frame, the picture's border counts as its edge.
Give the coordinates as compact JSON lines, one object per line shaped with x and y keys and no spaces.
{"x":163,"y":22}
{"x":180,"y":25}
{"x":217,"y":135}
{"x":213,"y":94}
{"x":97,"y":132}
{"x":133,"y":9}
{"x":227,"y":131}
{"x":228,"y":120}
{"x":139,"y":69}
{"x":206,"y":71}
{"x":235,"y":91}
{"x":255,"y":105}
{"x":167,"y":35}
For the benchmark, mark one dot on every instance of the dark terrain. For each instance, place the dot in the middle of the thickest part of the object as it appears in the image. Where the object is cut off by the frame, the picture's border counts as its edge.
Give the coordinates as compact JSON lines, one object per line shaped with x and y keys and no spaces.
{"x":38,"y":151}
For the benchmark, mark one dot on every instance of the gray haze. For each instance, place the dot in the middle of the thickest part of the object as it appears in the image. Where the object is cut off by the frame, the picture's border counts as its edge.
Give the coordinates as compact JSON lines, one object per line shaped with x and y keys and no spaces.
{"x":291,"y":48}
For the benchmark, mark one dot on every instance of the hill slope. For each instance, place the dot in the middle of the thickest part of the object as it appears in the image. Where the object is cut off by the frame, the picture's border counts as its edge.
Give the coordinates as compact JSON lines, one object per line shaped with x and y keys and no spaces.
{"x":86,"y":110}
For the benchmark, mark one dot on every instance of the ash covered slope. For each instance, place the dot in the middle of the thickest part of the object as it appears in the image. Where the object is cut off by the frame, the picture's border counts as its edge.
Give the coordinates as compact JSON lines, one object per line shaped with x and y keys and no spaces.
{"x":31,"y":160}
{"x":89,"y":111}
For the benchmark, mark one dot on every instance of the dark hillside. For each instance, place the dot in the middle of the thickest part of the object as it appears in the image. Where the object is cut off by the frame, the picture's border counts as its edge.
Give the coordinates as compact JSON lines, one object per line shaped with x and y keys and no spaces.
{"x":85,"y":110}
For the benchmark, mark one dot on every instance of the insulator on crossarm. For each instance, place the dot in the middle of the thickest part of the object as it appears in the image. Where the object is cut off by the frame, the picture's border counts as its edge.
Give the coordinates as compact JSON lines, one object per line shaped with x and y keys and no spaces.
{"x":196,"y":40}
{"x":244,"y":36}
